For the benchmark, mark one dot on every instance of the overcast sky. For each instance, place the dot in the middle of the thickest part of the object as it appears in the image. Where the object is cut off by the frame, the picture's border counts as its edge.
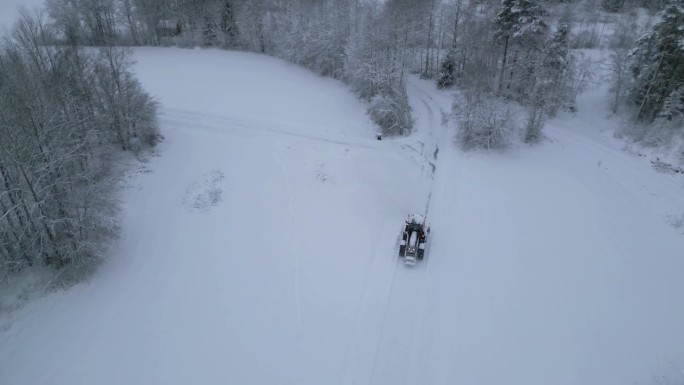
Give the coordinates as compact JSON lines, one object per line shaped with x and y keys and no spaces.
{"x":9,"y":9}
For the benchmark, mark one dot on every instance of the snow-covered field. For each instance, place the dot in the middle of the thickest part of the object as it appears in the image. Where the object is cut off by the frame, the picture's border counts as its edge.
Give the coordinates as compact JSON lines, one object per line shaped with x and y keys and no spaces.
{"x":259,"y":247}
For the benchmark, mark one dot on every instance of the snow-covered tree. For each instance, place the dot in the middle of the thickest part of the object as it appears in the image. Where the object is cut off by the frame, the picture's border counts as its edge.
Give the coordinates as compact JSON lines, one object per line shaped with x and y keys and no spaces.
{"x":209,"y":31}
{"x":652,"y":5}
{"x":448,"y":67}
{"x":612,"y":5}
{"x":447,"y":74}
{"x":374,"y":68}
{"x":668,"y":125}
{"x":658,"y":63}
{"x":228,"y":24}
{"x":551,"y":81}
{"x":520,"y":25}
{"x":556,"y":71}
{"x":621,"y":44}
{"x":128,"y":113}
{"x":58,"y":130}
{"x":87,"y":21}
{"x":673,"y":106}
{"x":483,"y":122}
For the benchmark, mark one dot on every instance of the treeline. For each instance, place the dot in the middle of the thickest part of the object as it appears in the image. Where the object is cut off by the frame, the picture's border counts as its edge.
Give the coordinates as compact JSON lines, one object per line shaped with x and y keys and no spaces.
{"x":66,"y":115}
{"x":520,"y":51}
{"x":361,"y":43}
{"x":493,"y":50}
{"x":647,"y":74}
{"x":371,"y":45}
{"x":503,"y":55}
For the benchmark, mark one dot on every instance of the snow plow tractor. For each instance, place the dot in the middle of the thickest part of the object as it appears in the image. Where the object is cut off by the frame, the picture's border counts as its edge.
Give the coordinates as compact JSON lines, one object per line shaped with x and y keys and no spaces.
{"x":414,"y":239}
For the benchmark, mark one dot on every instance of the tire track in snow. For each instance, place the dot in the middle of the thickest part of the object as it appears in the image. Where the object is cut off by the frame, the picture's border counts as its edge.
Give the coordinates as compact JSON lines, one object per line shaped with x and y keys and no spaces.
{"x":419,"y":336}
{"x":383,"y":328}
{"x":222,"y":124}
{"x":360,"y":315}
{"x":424,"y":97}
{"x":365,"y":357}
{"x":298,"y":259}
{"x":396,"y":356}
{"x":657,"y":194}
{"x":419,"y":344}
{"x":408,"y":286}
{"x":402,"y":343}
{"x":422,"y":337}
{"x":638,"y":169}
{"x":362,"y":355}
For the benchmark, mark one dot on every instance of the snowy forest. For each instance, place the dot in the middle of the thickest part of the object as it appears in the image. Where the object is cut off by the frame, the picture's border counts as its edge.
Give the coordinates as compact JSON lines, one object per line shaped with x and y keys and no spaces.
{"x":70,"y":114}
{"x":515,"y":50}
{"x":65,"y":115}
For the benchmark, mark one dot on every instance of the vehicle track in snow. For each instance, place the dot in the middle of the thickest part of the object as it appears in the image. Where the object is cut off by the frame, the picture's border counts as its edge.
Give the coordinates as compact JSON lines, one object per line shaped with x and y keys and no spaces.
{"x":378,"y":285}
{"x":389,"y":336}
{"x":433,"y":133}
{"x":431,"y":336}
{"x":418,"y":281}
{"x":606,"y":156}
{"x":385,"y":284}
{"x":389,"y":345}
{"x":293,"y":240}
{"x":214,"y":123}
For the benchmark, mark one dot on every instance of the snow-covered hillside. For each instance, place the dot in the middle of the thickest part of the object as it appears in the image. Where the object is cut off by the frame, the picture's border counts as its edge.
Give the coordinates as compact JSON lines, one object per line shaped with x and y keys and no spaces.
{"x":259,"y":247}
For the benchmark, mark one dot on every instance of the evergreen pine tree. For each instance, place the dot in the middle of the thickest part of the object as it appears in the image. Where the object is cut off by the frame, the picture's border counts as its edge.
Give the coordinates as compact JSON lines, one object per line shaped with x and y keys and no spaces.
{"x":228,"y":25}
{"x":658,"y":66}
{"x":612,"y":5}
{"x":447,"y":72}
{"x":556,"y":64}
{"x":520,"y":23}
{"x":209,"y":32}
{"x":673,"y":107}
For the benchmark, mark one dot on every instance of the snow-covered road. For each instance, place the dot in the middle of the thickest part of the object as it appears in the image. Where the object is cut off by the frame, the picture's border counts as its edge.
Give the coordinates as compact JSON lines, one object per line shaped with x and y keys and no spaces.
{"x":260,"y":248}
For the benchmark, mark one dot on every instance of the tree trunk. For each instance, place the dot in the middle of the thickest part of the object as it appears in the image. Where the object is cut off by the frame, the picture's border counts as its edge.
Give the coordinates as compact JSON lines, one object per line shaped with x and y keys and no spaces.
{"x":648,"y":90}
{"x":503,"y":65}
{"x":454,"y":40}
{"x":428,"y":51}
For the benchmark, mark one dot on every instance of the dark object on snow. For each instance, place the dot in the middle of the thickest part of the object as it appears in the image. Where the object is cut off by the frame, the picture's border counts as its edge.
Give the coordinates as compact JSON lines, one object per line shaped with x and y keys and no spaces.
{"x":414,"y":239}
{"x":379,"y":136}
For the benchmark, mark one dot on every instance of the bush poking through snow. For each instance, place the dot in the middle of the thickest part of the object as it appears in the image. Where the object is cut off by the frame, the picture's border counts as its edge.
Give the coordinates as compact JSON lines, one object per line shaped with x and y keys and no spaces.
{"x":534,"y":124}
{"x":205,"y":194}
{"x":391,"y":112}
{"x":483,"y":122}
{"x":677,"y":221}
{"x":665,"y":167}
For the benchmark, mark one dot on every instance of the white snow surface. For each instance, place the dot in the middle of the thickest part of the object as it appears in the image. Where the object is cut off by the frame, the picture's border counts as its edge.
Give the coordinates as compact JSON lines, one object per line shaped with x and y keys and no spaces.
{"x":260,"y":247}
